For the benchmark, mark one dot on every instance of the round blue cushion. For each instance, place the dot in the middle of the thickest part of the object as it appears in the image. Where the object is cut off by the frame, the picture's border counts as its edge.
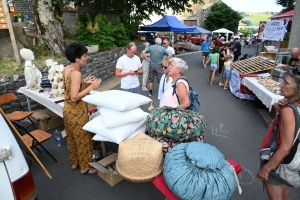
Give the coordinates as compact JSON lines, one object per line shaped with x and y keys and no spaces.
{"x":197,"y":170}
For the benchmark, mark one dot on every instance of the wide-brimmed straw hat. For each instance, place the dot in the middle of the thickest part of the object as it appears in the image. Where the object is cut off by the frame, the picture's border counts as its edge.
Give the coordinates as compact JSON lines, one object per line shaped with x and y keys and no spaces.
{"x":140,"y":158}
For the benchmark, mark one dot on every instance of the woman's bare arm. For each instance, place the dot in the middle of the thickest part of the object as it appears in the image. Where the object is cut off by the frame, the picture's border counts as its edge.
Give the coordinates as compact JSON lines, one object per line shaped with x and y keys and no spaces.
{"x":76,"y":83}
{"x":183,"y":95}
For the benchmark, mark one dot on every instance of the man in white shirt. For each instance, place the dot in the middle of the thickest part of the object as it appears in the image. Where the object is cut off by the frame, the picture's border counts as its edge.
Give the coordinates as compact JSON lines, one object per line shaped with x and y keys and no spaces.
{"x":169,"y":49}
{"x":128,"y":68}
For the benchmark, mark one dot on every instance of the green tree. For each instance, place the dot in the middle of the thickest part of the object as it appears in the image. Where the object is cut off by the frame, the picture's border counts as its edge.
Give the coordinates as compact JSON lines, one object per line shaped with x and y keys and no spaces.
{"x":286,"y":4}
{"x":246,"y":22}
{"x":246,"y":31}
{"x":142,"y":9}
{"x":222,"y":16}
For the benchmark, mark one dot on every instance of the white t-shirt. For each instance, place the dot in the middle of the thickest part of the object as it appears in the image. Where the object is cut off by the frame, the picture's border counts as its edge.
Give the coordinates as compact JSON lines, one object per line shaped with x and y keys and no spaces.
{"x":163,"y":87}
{"x":170,"y":50}
{"x":126,"y":64}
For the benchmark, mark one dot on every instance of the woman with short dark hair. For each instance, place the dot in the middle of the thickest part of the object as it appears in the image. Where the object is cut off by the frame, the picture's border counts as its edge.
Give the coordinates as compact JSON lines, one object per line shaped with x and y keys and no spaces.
{"x":75,"y":112}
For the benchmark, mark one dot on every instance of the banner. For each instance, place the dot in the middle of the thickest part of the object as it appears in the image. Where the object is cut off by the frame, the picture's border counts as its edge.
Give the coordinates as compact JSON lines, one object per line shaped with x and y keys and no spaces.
{"x":235,"y":86}
{"x":274,"y":30}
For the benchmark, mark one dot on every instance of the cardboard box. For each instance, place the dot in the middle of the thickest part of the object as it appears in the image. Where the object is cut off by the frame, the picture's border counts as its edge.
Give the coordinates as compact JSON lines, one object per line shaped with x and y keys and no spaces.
{"x":46,"y":120}
{"x":112,"y":178}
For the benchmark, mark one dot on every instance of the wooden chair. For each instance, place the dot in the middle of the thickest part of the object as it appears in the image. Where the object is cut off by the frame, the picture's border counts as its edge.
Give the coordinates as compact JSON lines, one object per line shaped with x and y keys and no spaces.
{"x":16,"y":115}
{"x":34,"y":138}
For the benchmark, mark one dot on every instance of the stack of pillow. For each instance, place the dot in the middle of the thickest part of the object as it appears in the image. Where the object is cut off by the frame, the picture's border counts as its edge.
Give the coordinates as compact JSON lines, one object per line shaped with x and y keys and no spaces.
{"x":120,"y":116}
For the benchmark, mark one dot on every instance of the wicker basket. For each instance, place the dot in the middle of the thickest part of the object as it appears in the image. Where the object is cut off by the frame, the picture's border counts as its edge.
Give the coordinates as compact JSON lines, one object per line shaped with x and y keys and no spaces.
{"x":140,"y":158}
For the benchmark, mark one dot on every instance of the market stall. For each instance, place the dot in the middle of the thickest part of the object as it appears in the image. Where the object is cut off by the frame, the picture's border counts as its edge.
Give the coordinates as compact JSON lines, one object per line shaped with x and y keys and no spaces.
{"x":260,"y":88}
{"x":251,"y":67}
{"x":223,"y":30}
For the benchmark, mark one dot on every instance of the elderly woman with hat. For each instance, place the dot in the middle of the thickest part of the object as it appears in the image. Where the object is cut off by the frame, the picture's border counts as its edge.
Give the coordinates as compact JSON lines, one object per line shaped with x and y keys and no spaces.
{"x":176,"y":72}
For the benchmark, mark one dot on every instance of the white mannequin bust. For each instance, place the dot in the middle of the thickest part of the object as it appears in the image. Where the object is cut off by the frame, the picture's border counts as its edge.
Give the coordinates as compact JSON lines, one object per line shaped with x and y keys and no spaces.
{"x":32,"y":74}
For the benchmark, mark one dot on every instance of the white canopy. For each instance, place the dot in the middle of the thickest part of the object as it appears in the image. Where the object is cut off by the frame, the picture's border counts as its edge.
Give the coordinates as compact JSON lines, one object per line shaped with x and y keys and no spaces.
{"x":223,"y":30}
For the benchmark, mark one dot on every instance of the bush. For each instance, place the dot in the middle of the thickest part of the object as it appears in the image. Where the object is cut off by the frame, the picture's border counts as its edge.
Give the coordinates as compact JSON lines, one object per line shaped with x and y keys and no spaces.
{"x":102,"y":32}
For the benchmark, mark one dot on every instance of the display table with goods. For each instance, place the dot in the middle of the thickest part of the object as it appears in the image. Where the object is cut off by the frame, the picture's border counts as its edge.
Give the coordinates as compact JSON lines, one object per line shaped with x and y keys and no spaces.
{"x":251,"y":67}
{"x":266,"y":90}
{"x":55,"y":104}
{"x":184,"y":45}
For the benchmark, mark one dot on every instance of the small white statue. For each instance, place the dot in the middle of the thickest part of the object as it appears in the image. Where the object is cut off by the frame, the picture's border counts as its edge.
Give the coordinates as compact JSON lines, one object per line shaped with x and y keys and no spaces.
{"x":55,"y":75}
{"x":32,"y":74}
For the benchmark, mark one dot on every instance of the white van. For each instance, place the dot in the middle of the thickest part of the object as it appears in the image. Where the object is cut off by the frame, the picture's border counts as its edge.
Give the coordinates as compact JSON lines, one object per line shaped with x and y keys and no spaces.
{"x":16,"y":181}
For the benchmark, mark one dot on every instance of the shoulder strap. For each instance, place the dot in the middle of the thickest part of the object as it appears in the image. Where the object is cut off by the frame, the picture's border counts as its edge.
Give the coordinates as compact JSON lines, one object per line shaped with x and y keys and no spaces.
{"x":273,"y":142}
{"x":296,"y":110}
{"x":164,"y":83}
{"x":175,"y":85}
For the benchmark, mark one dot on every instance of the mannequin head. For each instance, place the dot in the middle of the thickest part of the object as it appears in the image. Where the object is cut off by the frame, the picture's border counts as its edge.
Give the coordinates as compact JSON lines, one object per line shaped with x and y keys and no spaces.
{"x":26,"y":54}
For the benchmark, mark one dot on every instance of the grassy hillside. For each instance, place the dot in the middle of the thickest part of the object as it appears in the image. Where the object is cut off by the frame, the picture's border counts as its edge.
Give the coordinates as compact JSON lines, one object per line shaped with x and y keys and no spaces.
{"x":255,"y":18}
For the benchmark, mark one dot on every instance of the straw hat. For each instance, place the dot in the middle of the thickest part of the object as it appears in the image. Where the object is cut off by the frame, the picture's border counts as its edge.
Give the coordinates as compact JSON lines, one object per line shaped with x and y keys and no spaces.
{"x":140,"y":158}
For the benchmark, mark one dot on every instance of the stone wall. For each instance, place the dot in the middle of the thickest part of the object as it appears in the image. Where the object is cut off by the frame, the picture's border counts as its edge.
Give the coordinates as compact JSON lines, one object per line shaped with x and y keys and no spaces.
{"x":25,"y":7}
{"x":101,"y":65}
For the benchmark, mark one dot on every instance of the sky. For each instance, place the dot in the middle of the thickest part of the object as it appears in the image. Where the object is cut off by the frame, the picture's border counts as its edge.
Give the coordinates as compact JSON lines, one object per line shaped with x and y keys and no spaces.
{"x":240,"y":5}
{"x":253,"y":5}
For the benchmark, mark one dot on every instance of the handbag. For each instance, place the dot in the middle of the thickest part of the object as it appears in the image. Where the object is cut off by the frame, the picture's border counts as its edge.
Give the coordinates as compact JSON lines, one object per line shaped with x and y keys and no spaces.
{"x":176,"y":123}
{"x":287,"y":172}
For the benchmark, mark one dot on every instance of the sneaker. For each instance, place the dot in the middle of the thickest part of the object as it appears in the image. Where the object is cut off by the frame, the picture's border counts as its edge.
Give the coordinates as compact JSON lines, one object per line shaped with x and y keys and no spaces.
{"x":150,"y":93}
{"x":221,"y":84}
{"x":144,"y":89}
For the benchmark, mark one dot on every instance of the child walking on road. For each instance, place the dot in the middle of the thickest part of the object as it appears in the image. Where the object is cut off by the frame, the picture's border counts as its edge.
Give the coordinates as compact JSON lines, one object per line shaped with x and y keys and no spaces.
{"x":213,"y":57}
{"x":227,"y":71}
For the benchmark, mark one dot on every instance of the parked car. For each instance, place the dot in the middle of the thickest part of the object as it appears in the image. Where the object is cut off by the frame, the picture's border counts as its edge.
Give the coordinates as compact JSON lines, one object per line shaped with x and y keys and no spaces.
{"x":196,"y":40}
{"x":16,"y":181}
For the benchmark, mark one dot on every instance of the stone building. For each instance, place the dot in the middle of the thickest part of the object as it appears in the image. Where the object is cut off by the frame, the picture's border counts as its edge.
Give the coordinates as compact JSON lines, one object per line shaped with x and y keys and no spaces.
{"x":199,"y":13}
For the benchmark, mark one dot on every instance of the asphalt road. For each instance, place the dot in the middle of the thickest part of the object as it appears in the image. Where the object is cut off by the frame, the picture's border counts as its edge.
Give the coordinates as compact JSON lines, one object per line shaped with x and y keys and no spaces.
{"x":234,"y":128}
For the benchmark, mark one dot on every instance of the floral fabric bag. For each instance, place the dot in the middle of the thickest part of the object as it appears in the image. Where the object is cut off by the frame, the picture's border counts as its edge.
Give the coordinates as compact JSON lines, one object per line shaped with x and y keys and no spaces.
{"x":176,"y":123}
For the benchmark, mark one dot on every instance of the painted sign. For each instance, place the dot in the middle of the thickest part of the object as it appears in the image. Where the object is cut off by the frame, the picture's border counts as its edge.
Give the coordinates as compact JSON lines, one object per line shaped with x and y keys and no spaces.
{"x":274,"y":30}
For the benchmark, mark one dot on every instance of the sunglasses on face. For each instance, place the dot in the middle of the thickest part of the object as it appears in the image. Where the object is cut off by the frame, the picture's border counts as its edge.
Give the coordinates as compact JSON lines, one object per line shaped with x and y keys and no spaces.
{"x":164,"y":67}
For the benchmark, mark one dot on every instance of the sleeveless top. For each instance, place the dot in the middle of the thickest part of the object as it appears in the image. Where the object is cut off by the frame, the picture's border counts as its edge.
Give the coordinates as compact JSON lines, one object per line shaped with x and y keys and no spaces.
{"x":169,"y":99}
{"x":275,"y":122}
{"x":77,"y":106}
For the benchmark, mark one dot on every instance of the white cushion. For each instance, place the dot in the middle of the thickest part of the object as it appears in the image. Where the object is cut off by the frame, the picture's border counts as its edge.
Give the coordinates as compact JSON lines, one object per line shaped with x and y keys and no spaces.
{"x":117,"y":134}
{"x":117,"y":100}
{"x":112,"y":118}
{"x":100,"y":138}
{"x":142,"y":129}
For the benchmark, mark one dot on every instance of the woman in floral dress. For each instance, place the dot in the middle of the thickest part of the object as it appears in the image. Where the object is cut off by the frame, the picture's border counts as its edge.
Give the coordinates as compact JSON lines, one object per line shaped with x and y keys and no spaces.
{"x":75,"y":110}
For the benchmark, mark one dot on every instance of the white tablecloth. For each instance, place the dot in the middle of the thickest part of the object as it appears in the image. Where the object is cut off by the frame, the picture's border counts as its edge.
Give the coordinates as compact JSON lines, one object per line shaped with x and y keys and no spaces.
{"x":44,"y":99}
{"x":267,"y":97}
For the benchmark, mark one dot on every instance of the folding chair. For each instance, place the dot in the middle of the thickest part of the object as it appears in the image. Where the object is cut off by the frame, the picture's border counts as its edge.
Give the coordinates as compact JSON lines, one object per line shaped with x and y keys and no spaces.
{"x":34,"y":138}
{"x":16,"y":115}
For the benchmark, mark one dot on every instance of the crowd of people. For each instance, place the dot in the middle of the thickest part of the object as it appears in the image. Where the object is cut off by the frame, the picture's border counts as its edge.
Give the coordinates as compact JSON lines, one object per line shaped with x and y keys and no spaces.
{"x":220,"y":55}
{"x":159,"y":61}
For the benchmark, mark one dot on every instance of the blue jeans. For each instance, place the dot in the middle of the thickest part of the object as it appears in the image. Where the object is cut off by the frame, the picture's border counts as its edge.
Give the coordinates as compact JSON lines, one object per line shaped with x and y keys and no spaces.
{"x":136,"y":90}
{"x":213,"y":66}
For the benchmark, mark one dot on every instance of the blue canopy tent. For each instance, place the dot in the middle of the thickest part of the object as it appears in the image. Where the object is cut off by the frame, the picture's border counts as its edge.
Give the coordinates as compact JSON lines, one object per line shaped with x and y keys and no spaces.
{"x":200,"y":30}
{"x":168,"y":24}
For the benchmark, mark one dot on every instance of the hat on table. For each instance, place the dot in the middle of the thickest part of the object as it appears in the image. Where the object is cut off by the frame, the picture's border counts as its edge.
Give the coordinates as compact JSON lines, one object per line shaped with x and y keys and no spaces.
{"x":140,"y":158}
{"x":26,"y":53}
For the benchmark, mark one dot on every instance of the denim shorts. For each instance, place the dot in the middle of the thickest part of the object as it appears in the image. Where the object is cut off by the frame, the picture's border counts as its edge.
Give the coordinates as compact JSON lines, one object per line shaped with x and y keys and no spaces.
{"x":205,"y":54}
{"x":227,"y":73}
{"x":213,"y":66}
